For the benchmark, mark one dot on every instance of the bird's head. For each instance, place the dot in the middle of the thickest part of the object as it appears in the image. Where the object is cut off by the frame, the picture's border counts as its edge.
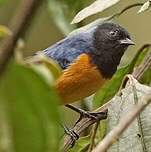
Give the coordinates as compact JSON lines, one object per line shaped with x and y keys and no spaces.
{"x":110,"y":41}
{"x":111,"y":37}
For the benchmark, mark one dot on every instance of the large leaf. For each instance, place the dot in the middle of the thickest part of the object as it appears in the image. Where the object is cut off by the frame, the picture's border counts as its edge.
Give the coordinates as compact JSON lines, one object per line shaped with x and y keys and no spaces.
{"x":145,"y":7}
{"x":29,"y":113}
{"x":108,"y":91}
{"x":97,"y":6}
{"x":137,"y":137}
{"x":62,"y":12}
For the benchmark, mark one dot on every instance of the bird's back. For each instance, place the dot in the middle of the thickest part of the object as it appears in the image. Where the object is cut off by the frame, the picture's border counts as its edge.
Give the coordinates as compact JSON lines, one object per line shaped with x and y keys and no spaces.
{"x":68,"y":49}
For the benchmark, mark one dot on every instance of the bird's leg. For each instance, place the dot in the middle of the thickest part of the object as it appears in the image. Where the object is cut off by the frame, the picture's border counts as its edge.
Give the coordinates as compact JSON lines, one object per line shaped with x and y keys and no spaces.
{"x":92,"y":115}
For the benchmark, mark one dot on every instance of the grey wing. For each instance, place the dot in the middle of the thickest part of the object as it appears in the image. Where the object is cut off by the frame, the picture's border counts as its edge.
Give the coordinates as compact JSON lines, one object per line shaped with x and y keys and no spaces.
{"x":68,"y":49}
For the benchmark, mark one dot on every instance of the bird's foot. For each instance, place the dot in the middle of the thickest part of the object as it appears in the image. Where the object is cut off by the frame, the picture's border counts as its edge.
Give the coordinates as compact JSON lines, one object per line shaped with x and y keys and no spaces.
{"x":74,"y":136}
{"x":92,"y":115}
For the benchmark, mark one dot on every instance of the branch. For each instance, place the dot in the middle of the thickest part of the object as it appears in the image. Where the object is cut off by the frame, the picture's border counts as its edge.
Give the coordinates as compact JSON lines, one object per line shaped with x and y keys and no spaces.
{"x":114,"y":134}
{"x":22,"y":16}
{"x":82,"y":125}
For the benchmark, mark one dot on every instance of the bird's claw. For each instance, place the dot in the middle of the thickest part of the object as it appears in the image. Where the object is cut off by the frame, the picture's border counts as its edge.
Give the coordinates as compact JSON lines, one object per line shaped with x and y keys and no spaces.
{"x":92,"y":115}
{"x":74,"y":136}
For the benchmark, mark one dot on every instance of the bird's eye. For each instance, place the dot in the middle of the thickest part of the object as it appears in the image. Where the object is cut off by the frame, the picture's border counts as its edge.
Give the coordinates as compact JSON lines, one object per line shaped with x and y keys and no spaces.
{"x":113,"y":33}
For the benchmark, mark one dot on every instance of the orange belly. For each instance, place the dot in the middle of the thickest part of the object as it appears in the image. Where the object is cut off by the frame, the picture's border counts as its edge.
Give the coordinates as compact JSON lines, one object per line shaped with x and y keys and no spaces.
{"x":81,"y":79}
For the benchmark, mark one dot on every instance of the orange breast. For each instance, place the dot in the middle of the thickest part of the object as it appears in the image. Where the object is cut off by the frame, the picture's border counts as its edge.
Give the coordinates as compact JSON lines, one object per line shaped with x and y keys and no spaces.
{"x":81,"y":79}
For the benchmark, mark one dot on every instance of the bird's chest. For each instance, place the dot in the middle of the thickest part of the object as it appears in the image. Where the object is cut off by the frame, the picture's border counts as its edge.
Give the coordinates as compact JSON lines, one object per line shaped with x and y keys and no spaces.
{"x":80,"y":80}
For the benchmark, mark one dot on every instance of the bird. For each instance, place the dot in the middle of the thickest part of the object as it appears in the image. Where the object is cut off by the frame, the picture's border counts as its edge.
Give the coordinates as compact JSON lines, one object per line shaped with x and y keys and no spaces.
{"x":89,"y":59}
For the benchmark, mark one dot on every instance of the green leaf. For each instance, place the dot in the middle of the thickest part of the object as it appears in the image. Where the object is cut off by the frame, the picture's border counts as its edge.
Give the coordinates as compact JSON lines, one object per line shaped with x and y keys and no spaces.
{"x":94,"y":8}
{"x":101,"y":131}
{"x":1,"y":1}
{"x":145,"y":7}
{"x":141,"y":57}
{"x":81,"y":145}
{"x":62,"y":12}
{"x":29,"y":115}
{"x":146,"y":79}
{"x":109,"y":90}
{"x":95,"y":23}
{"x":45,"y":66}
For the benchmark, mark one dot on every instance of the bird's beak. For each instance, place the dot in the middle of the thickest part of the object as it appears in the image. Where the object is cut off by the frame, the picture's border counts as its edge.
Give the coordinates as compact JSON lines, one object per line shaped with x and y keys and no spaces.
{"x":126,"y":41}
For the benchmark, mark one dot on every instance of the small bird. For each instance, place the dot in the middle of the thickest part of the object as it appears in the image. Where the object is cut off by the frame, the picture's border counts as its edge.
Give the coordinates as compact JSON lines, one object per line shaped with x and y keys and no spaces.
{"x":89,"y":60}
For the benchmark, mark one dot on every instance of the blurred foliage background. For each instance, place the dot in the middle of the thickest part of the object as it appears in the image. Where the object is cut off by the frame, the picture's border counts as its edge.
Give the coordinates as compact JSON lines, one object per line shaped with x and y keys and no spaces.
{"x":32,"y":114}
{"x":44,"y":31}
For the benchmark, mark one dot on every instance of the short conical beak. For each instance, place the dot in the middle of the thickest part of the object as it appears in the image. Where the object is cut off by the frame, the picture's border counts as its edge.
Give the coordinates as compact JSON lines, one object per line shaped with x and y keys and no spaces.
{"x":126,"y":41}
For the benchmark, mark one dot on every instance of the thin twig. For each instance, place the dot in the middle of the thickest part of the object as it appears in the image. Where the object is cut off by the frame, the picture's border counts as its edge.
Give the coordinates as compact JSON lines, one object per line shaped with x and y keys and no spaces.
{"x":93,"y":134}
{"x":130,"y":6}
{"x":114,"y":134}
{"x":23,"y":13}
{"x":146,"y":63}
